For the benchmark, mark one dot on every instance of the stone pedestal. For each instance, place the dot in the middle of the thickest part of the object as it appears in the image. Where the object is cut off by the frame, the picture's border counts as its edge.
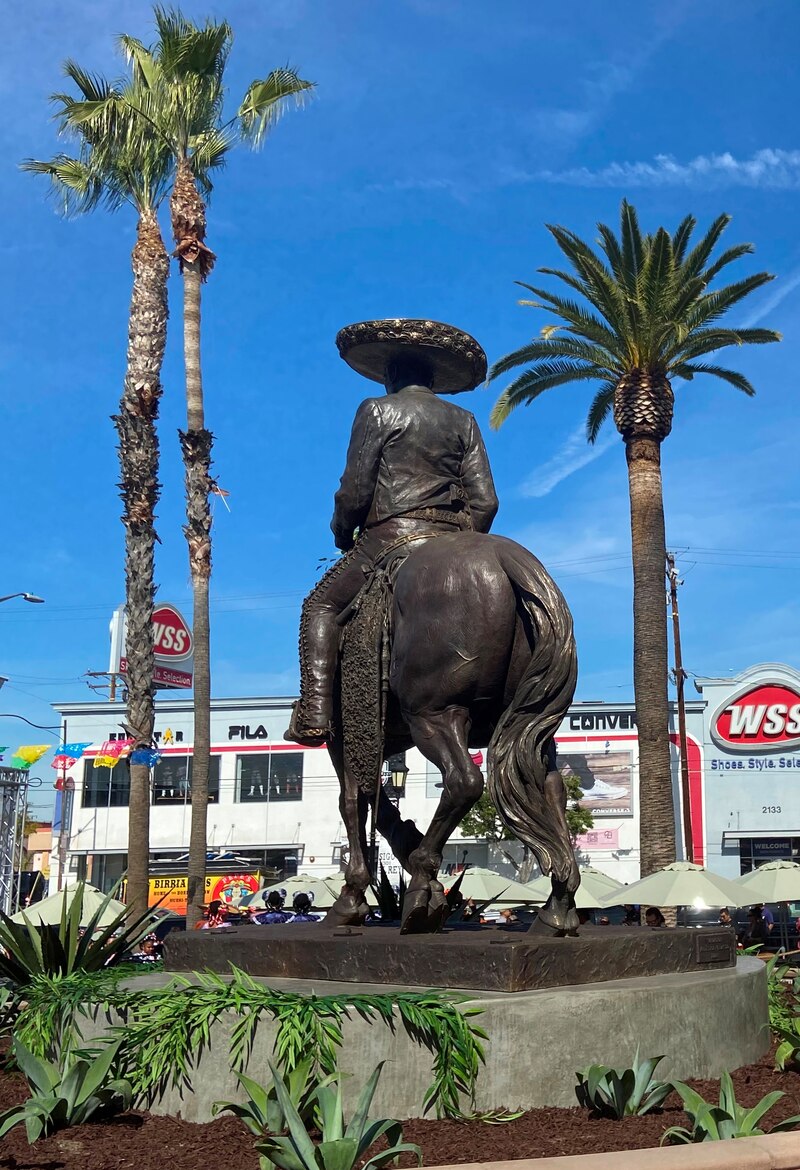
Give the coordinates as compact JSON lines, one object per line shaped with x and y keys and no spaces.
{"x":503,"y":959}
{"x":703,"y":1021}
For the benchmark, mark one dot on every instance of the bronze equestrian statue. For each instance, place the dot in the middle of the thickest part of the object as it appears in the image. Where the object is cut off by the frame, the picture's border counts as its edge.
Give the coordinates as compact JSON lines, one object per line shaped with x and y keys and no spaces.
{"x":430,"y":632}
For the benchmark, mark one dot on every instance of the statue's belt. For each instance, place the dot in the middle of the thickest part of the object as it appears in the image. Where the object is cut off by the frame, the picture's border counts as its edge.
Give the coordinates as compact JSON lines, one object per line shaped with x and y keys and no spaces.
{"x":435,"y":515}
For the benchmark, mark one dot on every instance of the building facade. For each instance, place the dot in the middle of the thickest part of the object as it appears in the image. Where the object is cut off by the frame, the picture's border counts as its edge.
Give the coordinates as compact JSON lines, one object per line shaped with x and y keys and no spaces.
{"x":275,"y":805}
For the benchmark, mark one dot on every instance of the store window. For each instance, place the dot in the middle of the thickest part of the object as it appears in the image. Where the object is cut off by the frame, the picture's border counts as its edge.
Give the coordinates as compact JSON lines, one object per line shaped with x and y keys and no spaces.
{"x":756,"y":851}
{"x":172,"y":780}
{"x":273,"y":776}
{"x":105,"y":787}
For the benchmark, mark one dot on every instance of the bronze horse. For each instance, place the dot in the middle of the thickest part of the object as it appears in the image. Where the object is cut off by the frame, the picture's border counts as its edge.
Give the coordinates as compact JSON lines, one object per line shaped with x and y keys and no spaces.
{"x":482,"y":652}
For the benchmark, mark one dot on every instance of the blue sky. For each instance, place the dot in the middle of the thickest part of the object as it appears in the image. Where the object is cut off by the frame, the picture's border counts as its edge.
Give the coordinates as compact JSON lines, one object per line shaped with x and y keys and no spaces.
{"x":443,"y":135}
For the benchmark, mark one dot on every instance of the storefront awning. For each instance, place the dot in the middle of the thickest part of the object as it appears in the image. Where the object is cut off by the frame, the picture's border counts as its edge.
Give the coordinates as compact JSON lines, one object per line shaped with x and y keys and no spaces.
{"x":774,"y":834}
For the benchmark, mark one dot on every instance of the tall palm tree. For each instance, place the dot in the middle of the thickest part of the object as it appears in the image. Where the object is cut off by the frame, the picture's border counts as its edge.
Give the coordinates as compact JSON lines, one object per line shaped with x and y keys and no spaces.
{"x":182,"y":94}
{"x":121,"y":163}
{"x":646,"y":315}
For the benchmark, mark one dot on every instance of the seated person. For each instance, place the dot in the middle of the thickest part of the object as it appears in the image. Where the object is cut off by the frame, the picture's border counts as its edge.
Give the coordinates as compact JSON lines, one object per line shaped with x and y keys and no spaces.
{"x":757,"y":929}
{"x":215,"y":916}
{"x":301,"y":905}
{"x":273,"y":914}
{"x":148,"y":950}
{"x":654,"y":918}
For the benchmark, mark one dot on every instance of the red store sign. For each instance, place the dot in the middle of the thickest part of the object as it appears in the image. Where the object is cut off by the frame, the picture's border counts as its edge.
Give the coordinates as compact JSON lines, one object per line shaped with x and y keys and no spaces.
{"x":761,"y":716}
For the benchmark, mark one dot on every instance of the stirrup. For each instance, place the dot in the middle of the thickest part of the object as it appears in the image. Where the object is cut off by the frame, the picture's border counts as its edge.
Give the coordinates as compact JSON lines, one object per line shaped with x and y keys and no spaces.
{"x":305,"y":736}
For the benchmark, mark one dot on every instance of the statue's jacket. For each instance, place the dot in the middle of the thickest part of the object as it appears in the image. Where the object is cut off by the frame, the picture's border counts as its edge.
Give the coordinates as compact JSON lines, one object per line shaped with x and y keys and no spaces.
{"x":412,"y":450}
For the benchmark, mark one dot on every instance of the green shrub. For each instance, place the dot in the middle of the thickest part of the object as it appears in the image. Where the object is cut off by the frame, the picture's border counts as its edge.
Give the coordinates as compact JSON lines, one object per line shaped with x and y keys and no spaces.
{"x":341,"y":1145}
{"x":728,"y":1119}
{"x":263,"y":1113}
{"x":81,"y":1087}
{"x":627,"y":1092}
{"x":29,"y":949}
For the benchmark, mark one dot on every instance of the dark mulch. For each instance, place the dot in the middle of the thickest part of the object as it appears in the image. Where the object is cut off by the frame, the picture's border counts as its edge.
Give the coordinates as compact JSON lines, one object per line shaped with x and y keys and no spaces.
{"x":139,"y":1141}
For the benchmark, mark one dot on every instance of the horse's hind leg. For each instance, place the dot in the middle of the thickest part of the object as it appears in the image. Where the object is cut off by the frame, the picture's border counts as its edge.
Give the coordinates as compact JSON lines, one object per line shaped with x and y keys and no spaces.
{"x":350,"y":908}
{"x":443,"y":739}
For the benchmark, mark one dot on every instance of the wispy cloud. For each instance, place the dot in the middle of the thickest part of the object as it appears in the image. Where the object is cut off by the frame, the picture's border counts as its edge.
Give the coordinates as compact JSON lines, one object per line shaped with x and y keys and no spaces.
{"x":782,"y":290}
{"x":567,"y":125}
{"x":573,"y":454}
{"x":768,"y":168}
{"x":414,"y":184}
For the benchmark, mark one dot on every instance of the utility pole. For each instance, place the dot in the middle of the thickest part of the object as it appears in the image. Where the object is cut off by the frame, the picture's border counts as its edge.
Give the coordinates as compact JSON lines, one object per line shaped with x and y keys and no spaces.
{"x":680,"y":679}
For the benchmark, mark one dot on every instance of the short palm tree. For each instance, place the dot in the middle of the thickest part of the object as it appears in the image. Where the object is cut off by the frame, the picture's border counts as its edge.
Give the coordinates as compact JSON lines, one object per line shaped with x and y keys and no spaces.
{"x":646,"y":314}
{"x":121,"y":163}
{"x":180,"y":81}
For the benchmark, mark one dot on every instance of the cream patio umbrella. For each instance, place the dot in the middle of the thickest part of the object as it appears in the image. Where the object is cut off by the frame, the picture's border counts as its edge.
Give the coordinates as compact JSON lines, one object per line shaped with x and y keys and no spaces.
{"x":325,"y":890}
{"x":486,"y":886}
{"x":776,"y":881}
{"x":48,"y":911}
{"x":591,"y":893}
{"x":680,"y":884}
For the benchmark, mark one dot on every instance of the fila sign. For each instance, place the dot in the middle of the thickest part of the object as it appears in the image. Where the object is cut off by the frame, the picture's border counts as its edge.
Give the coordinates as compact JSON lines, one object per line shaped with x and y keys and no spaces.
{"x":172,"y":642}
{"x":759,"y":717}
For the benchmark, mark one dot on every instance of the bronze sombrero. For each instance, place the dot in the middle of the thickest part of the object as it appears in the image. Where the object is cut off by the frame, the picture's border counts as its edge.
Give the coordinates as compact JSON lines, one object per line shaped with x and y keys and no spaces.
{"x":459,"y":363}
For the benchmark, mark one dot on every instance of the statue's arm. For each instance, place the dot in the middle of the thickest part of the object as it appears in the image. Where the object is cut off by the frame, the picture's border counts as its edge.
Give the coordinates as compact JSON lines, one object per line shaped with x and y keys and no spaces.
{"x":476,"y":479}
{"x":353,"y":500}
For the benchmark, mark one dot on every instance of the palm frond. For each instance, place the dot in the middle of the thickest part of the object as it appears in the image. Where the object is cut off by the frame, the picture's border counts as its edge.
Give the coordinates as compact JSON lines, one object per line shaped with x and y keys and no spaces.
{"x":733,"y":377}
{"x":599,"y":410}
{"x":713,"y":305}
{"x":611,"y":246}
{"x":144,"y":70}
{"x":680,"y":239}
{"x":702,"y":341}
{"x":266,"y":101}
{"x":550,"y":348}
{"x":657,"y":280}
{"x":727,"y":257}
{"x":75,"y":188}
{"x":606,"y":295}
{"x":580,"y":321}
{"x":697,"y":259}
{"x":632,"y":245}
{"x":93,"y":86}
{"x":532,"y":383}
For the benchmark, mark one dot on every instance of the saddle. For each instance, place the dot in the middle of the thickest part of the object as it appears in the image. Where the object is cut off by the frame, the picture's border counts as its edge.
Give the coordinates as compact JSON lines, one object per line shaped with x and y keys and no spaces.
{"x":364,"y":660}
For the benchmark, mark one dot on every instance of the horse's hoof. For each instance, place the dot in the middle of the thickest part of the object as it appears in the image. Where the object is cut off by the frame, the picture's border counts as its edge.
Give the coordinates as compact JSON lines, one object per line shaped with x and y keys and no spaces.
{"x":415,"y":912}
{"x":347,"y":910}
{"x":438,"y":908}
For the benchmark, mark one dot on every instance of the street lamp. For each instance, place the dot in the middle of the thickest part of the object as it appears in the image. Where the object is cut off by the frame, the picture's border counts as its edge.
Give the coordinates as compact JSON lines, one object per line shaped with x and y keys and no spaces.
{"x":398,"y":771}
{"x":25,"y":597}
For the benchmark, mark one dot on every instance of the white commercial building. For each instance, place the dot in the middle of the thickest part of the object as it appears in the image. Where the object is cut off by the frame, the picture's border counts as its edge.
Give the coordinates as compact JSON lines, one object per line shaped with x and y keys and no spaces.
{"x":276,"y":804}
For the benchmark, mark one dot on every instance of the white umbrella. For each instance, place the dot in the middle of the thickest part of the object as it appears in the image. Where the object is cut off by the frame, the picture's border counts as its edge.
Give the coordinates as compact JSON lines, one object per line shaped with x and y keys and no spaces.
{"x":595,"y":887}
{"x":680,"y":884}
{"x":777,"y":881}
{"x":48,"y":911}
{"x":325,"y":890}
{"x":484,"y":885}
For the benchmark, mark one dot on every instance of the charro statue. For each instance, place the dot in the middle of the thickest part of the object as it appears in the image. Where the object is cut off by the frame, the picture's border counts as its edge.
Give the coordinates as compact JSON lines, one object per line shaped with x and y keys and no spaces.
{"x":430,"y":632}
{"x":415,"y":464}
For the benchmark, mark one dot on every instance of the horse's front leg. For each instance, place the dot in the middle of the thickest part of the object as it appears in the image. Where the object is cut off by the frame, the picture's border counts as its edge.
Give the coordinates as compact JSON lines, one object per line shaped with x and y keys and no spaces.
{"x":443,"y":739}
{"x":350,"y":908}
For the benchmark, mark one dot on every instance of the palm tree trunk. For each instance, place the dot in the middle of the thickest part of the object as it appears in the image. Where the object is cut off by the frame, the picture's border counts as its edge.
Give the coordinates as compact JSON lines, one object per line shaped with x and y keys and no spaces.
{"x":656,"y":812}
{"x":139,"y":488}
{"x":196,"y":261}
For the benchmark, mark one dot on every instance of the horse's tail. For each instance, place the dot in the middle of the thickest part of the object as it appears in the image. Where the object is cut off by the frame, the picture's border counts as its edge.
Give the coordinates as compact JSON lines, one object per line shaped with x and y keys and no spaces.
{"x":522,"y":750}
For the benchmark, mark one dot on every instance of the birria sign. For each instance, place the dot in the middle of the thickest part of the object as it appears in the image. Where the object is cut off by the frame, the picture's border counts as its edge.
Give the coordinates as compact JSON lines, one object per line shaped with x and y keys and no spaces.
{"x":172,"y":641}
